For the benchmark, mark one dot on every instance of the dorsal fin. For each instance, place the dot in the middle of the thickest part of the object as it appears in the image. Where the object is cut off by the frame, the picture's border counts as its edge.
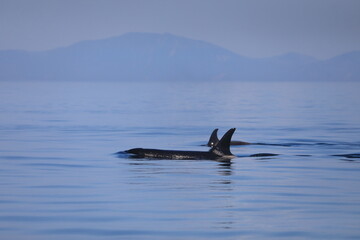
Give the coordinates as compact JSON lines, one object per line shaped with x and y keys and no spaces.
{"x":213,"y":140}
{"x":223,"y":146}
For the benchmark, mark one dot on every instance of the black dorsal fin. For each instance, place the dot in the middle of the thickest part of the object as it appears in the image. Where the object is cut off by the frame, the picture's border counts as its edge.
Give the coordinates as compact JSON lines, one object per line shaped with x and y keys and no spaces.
{"x":213,"y":140}
{"x":223,"y":146}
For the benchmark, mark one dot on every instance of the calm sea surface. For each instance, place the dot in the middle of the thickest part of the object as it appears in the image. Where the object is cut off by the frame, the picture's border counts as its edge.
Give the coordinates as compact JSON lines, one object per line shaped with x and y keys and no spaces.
{"x":60,"y":178}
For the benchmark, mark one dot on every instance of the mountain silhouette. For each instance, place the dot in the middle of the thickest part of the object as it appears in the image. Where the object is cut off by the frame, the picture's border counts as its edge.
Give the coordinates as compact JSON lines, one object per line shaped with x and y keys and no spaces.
{"x":166,"y":57}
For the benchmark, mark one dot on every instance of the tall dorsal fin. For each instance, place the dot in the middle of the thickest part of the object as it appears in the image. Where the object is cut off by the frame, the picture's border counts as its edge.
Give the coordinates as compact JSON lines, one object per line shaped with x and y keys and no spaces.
{"x":213,"y":140}
{"x":223,"y":146}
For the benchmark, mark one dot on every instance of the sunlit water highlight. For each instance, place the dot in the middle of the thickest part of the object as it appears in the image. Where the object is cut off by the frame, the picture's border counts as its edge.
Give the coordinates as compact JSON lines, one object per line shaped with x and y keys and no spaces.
{"x":60,"y":179}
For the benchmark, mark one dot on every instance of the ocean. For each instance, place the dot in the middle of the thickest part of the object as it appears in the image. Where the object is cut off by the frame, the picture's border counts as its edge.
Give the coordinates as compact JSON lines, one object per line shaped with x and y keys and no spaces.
{"x":61,"y":179}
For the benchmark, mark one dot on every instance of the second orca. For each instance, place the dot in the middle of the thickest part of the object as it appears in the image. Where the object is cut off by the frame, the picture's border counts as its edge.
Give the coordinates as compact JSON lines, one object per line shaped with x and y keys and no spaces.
{"x":213,"y":140}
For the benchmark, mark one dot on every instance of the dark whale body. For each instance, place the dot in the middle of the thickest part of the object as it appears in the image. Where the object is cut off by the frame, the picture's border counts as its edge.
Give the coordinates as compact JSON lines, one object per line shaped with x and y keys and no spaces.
{"x":351,"y":155}
{"x":221,"y":151}
{"x":213,"y":140}
{"x":171,"y":154}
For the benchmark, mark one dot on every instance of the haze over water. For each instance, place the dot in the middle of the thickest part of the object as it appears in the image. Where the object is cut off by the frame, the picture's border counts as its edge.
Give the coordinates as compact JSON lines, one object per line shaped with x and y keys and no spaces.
{"x":60,"y":178}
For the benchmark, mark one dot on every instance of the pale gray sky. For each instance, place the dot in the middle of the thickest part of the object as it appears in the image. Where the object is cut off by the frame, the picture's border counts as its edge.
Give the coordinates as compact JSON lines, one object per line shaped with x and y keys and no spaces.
{"x":255,"y":28}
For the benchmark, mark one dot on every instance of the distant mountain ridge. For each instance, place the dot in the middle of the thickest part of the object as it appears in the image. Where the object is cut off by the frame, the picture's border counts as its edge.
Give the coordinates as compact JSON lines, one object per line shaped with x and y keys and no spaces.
{"x":166,"y":57}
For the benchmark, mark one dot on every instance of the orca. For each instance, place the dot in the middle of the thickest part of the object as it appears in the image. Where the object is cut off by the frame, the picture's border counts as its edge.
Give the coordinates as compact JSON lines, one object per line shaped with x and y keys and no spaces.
{"x":213,"y":140}
{"x":220,"y":151}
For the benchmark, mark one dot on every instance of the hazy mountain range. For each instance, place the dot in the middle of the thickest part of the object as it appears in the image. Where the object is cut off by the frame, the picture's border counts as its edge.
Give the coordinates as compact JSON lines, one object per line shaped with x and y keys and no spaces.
{"x":150,"y":56}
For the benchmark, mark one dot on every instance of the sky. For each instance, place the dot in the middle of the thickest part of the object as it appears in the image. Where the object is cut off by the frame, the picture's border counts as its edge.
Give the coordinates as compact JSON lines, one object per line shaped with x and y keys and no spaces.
{"x":253,"y":28}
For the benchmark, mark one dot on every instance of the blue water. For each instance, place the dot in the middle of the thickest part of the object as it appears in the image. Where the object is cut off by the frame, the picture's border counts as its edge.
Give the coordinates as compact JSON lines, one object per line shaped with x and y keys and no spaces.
{"x":60,"y":179}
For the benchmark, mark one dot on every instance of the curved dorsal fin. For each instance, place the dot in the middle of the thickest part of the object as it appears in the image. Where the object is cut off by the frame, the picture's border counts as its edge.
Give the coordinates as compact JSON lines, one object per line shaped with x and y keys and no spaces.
{"x":223,"y":146}
{"x":213,"y":140}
